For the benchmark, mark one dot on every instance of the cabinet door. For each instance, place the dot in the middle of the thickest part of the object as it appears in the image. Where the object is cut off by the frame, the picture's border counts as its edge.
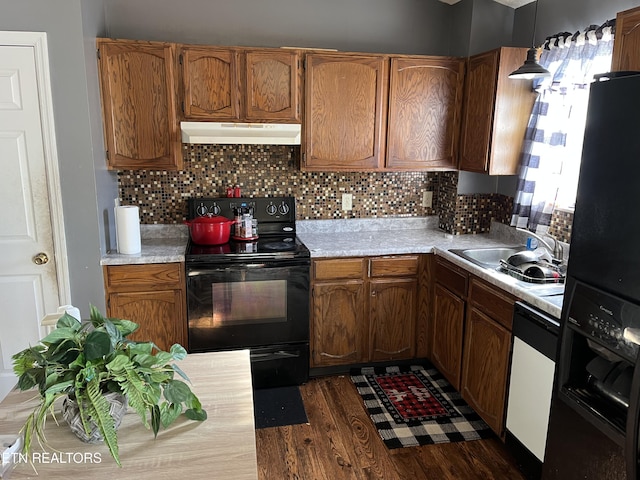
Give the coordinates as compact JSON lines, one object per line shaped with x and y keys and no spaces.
{"x":272,"y":86}
{"x":139,"y":107}
{"x":486,"y":363}
{"x":392,"y":307}
{"x":345,"y":112}
{"x":339,"y":327}
{"x":210,"y":84}
{"x":158,"y":313}
{"x":425,"y":101}
{"x":479,"y":97}
{"x":448,"y":325}
{"x":626,"y":47}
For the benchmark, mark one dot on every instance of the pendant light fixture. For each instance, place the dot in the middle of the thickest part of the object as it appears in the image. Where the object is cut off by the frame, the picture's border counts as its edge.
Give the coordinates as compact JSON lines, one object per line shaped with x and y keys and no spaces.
{"x":531,"y":69}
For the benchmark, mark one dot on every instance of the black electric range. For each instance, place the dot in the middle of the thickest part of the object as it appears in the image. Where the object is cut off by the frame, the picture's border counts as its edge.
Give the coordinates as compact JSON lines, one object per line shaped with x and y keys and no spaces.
{"x":252,"y":294}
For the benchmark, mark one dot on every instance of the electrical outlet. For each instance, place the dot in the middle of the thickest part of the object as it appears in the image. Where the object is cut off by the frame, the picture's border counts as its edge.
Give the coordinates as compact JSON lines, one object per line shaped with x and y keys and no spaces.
{"x":347,"y":201}
{"x":427,"y":199}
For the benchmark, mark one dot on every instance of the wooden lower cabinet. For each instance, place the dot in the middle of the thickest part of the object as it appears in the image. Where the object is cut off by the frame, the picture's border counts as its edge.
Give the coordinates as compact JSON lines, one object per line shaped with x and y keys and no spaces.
{"x":487,"y":352}
{"x":392,"y":312}
{"x":471,"y":325}
{"x":338,"y":323}
{"x":448,"y":329}
{"x":486,"y":365}
{"x":153,"y":296}
{"x":364,"y":309}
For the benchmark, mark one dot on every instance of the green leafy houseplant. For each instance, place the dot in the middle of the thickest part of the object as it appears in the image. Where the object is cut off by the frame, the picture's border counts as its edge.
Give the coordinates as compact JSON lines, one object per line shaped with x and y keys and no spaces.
{"x":85,"y":360}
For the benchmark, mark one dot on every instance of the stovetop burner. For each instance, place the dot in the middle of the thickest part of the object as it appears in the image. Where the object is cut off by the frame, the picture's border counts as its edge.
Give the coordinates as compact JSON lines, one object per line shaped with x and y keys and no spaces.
{"x":284,"y":245}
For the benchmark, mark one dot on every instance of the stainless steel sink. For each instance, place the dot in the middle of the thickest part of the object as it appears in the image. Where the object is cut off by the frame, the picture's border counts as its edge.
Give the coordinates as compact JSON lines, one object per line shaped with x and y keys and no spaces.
{"x":488,"y":257}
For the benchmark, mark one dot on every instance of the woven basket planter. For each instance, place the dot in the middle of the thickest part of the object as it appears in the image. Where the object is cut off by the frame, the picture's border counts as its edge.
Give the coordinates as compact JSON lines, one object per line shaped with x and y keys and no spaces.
{"x":71,"y":413}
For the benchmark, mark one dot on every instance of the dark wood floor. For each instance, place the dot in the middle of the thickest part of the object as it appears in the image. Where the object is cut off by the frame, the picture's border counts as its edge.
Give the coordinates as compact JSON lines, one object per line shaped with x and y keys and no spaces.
{"x":340,"y":442}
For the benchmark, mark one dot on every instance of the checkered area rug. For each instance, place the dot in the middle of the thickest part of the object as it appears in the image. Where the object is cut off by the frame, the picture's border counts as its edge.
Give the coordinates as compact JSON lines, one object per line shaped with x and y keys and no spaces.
{"x":415,"y":405}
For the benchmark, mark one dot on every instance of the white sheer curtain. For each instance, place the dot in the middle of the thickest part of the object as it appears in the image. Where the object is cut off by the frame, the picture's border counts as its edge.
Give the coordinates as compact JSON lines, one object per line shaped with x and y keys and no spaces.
{"x":552,"y":147}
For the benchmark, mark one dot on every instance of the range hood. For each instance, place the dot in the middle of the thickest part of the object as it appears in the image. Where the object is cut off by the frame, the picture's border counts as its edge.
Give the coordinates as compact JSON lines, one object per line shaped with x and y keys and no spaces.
{"x":240,"y":133}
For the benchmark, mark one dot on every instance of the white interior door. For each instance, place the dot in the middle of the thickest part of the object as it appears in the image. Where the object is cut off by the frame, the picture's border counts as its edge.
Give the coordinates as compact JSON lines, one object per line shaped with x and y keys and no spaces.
{"x":28,"y":275}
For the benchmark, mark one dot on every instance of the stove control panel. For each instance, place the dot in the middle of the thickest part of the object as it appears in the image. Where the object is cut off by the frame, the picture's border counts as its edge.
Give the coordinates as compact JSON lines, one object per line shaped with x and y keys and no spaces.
{"x":274,"y":214}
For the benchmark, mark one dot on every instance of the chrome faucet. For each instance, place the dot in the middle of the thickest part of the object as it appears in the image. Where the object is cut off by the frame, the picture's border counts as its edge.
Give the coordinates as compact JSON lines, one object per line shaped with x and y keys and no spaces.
{"x":557,"y":251}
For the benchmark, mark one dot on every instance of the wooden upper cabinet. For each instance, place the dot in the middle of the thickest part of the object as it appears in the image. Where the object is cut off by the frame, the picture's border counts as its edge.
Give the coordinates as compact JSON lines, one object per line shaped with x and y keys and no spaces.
{"x":138,"y":103}
{"x":272,"y":86}
{"x":211,"y":89}
{"x":626,"y":45}
{"x":425,"y":101}
{"x":345,"y":112}
{"x":496,"y":112}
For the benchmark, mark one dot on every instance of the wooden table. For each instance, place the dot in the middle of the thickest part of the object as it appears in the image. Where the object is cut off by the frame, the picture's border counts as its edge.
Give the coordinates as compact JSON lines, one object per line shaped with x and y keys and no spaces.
{"x":221,"y":447}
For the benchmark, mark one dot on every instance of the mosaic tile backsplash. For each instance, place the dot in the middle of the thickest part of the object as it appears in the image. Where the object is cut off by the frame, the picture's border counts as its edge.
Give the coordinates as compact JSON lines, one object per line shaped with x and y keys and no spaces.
{"x":271,"y":170}
{"x":268,"y":170}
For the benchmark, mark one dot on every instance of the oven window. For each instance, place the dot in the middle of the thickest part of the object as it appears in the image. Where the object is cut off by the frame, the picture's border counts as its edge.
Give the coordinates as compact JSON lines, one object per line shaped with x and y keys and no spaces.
{"x":238,"y":303}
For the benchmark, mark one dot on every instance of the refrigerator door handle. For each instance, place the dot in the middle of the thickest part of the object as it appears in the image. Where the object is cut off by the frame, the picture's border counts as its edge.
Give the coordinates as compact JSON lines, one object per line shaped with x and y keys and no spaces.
{"x":632,"y":335}
{"x":633,"y":419}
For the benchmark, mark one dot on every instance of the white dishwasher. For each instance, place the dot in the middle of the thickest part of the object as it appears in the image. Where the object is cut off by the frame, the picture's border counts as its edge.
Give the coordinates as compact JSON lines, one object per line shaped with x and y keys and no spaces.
{"x":535,"y":339}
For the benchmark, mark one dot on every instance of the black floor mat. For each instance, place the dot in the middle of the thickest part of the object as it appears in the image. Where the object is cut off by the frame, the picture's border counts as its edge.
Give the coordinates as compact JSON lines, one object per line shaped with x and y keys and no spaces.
{"x":276,"y":407}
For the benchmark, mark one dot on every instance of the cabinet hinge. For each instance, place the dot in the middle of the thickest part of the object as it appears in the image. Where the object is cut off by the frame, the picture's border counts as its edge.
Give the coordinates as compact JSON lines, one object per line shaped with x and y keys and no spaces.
{"x":106,"y":152}
{"x":304,"y":63}
{"x":182,"y":105}
{"x":304,"y":159}
{"x":98,"y":53}
{"x":180,"y":59}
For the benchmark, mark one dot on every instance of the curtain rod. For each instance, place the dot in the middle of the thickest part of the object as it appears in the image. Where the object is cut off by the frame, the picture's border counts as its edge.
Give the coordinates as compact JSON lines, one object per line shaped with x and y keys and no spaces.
{"x":609,"y":23}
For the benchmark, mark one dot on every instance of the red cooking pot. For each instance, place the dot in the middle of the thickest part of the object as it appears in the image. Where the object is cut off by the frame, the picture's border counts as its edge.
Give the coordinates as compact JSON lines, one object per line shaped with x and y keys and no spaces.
{"x":213,"y":230}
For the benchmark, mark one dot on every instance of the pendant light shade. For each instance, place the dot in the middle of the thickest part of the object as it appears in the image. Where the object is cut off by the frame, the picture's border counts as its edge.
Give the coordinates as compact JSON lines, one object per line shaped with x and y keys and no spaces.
{"x":531,"y":69}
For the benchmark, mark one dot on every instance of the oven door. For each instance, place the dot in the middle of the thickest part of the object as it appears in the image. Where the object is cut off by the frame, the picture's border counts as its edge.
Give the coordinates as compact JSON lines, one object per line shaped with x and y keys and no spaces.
{"x":247,"y":304}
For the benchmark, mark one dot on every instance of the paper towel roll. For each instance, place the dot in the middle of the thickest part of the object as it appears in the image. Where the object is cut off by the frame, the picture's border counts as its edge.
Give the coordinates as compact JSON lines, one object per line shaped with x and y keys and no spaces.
{"x":128,"y":229}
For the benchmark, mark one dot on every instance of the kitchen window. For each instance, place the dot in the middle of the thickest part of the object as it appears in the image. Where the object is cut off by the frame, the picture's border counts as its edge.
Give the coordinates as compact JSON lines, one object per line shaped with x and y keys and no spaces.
{"x":550,"y":160}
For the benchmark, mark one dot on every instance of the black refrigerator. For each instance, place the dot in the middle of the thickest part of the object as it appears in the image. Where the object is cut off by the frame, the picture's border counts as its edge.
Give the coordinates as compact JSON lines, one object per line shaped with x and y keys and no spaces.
{"x":595,"y":410}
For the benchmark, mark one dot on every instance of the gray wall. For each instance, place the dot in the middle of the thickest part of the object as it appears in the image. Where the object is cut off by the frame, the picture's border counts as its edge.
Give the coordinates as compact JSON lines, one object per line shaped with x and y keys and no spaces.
{"x":93,"y":25}
{"x":62,"y":21}
{"x":567,"y":15}
{"x":385,"y":26}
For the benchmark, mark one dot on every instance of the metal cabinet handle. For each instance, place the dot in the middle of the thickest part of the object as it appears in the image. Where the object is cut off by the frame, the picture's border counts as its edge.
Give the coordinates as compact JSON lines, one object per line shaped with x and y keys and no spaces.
{"x":632,"y":335}
{"x":41,"y":259}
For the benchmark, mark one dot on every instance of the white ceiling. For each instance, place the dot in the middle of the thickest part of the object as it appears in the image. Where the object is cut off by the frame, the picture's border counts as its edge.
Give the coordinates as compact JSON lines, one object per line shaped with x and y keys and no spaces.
{"x":508,"y":3}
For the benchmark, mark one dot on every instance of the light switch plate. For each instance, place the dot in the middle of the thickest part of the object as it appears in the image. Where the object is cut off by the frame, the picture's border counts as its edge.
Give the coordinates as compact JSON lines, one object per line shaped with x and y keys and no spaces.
{"x":427,"y":199}
{"x":347,"y":201}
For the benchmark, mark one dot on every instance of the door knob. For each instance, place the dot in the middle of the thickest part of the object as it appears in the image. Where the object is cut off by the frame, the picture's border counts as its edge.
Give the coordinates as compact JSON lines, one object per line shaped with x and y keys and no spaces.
{"x":40,"y":259}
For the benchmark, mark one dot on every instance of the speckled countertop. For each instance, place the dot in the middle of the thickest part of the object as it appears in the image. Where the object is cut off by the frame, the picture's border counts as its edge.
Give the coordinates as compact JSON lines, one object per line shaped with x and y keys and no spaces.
{"x":341,"y":238}
{"x":160,"y":244}
{"x":361,"y":237}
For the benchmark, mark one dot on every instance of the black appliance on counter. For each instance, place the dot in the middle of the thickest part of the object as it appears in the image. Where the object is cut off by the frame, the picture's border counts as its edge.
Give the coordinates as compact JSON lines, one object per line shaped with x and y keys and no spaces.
{"x":595,"y":411}
{"x":252,"y":294}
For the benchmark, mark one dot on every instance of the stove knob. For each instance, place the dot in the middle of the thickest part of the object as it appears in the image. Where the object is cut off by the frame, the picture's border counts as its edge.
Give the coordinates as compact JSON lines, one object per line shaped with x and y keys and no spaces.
{"x":271,"y":209}
{"x":284,"y":208}
{"x":214,"y":209}
{"x":201,"y":210}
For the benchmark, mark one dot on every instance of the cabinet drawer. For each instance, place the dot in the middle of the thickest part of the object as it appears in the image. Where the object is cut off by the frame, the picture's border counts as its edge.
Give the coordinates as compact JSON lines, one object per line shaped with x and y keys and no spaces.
{"x":492,"y":301}
{"x":452,"y":277}
{"x":402,"y":266}
{"x":123,"y":277}
{"x":338,"y":268}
